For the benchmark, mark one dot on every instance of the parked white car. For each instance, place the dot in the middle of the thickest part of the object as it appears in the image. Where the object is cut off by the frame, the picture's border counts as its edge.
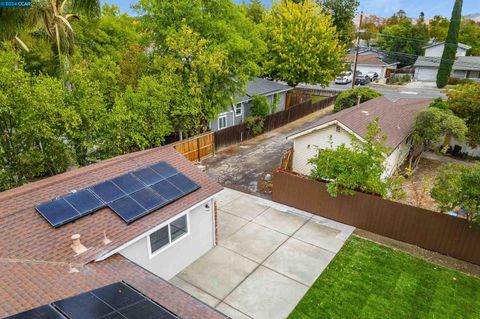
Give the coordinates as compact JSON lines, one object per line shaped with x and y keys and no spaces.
{"x":344,"y":78}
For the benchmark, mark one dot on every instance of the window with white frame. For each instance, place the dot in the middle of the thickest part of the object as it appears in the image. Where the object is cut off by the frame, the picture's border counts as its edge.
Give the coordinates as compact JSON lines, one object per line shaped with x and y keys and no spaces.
{"x":168,"y":234}
{"x":238,"y":109}
{"x":222,"y":121}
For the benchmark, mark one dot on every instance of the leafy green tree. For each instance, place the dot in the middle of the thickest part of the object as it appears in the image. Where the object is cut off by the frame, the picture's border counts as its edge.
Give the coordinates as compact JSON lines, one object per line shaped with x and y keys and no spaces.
{"x":349,"y":98}
{"x":470,"y":35}
{"x":254,"y":10}
{"x":343,"y":12}
{"x":451,"y":44}
{"x":464,"y":101}
{"x":303,"y":45}
{"x":398,"y":17}
{"x":372,"y":26}
{"x":458,"y":186}
{"x":355,"y":167}
{"x":438,"y":28}
{"x":260,"y":106}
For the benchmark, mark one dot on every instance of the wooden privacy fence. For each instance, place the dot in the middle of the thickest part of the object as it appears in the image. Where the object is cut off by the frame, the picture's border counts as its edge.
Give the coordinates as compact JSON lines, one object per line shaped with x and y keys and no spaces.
{"x":294,"y":97}
{"x":238,"y":133}
{"x":196,"y":147}
{"x":434,"y":231}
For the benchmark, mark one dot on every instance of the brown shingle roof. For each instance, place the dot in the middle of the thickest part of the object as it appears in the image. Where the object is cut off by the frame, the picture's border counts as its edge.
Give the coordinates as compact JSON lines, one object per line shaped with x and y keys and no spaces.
{"x":396,"y":119}
{"x":27,"y":284}
{"x":26,"y":236}
{"x":367,"y":59}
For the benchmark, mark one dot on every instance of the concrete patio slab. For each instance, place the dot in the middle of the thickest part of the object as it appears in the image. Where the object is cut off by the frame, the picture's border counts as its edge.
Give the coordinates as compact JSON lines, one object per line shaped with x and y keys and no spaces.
{"x":266,"y":294}
{"x":280,"y":221}
{"x":299,"y":260}
{"x":231,"y":312}
{"x":320,"y":235}
{"x":218,"y":271}
{"x":245,"y":207}
{"x":194,"y":291}
{"x":228,"y":224}
{"x":227,"y":196}
{"x":254,"y":241}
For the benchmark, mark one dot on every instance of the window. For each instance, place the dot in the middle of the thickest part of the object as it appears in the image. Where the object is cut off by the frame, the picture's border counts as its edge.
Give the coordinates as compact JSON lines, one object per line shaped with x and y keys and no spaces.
{"x":168,"y":234}
{"x":222,"y":122}
{"x":238,"y":109}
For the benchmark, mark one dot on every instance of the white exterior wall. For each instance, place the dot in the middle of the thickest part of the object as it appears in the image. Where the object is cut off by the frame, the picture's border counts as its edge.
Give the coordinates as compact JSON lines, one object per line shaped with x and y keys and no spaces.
{"x":181,"y":253}
{"x":396,"y":158}
{"x":437,"y":51}
{"x":305,"y":146}
{"x":426,"y":74}
{"x":372,"y":68}
{"x":474,"y":152}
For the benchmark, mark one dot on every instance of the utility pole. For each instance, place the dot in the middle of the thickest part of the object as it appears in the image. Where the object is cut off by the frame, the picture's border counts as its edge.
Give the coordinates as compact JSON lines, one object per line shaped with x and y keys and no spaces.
{"x":356,"y":51}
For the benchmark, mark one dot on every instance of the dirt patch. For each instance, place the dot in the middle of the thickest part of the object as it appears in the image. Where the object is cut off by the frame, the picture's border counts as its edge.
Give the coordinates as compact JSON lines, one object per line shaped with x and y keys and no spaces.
{"x":433,"y":257}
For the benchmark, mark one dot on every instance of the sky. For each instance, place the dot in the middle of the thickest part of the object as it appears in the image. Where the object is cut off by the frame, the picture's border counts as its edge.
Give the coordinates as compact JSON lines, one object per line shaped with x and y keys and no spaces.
{"x":384,"y":8}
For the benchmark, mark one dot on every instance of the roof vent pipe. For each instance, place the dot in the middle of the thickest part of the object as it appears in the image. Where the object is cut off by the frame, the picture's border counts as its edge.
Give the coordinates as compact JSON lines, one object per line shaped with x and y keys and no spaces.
{"x":77,"y":246}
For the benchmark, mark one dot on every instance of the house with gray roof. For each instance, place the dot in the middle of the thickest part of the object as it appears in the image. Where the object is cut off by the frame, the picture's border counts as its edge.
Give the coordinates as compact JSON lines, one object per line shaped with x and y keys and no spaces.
{"x":464,"y":67}
{"x":239,"y":110}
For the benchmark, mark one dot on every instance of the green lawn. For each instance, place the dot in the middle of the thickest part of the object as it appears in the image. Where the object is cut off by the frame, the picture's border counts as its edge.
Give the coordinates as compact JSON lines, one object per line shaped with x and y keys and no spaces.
{"x":366,"y":280}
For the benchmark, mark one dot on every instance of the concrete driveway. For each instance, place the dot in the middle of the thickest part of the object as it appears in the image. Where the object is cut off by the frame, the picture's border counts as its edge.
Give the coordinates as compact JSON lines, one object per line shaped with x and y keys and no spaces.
{"x":268,"y":255}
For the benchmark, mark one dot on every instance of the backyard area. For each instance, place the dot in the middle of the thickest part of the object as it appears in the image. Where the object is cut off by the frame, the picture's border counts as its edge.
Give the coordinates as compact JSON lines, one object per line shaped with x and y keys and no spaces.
{"x":368,"y":280}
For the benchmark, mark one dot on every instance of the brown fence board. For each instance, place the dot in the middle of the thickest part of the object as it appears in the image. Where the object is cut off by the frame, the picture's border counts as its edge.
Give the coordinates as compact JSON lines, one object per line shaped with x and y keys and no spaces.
{"x":196,"y":147}
{"x":434,"y":231}
{"x":238,"y":133}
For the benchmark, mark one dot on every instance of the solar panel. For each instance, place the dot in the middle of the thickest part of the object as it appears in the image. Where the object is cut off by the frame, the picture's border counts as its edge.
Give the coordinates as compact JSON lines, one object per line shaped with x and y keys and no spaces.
{"x":58,"y":212}
{"x":148,"y":199}
{"x":128,"y":209}
{"x":128,"y":183}
{"x":167,"y":190}
{"x":183,"y":183}
{"x":164,"y":169}
{"x":83,"y":306}
{"x":84,"y":201}
{"x":107,"y":191}
{"x":146,"y":310}
{"x":43,"y":312}
{"x":118,"y":295}
{"x":148,"y":176}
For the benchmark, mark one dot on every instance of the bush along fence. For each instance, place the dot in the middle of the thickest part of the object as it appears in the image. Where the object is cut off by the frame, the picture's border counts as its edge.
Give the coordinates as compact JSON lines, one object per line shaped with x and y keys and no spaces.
{"x":239,"y":133}
{"x":434,"y":231}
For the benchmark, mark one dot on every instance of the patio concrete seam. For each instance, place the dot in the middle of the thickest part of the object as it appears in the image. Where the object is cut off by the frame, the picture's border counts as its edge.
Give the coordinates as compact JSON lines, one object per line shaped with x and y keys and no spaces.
{"x":306,"y":221}
{"x":243,"y":313}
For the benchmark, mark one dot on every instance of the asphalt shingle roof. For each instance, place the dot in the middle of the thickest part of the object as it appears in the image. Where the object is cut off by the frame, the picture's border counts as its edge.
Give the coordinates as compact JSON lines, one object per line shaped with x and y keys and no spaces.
{"x":260,"y":86}
{"x":468,"y":63}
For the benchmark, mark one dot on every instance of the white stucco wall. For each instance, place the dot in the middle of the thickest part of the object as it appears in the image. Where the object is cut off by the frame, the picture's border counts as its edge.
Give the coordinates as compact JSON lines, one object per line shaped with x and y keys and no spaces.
{"x":396,"y":158}
{"x":474,"y":152}
{"x":181,"y":253}
{"x":438,"y":51}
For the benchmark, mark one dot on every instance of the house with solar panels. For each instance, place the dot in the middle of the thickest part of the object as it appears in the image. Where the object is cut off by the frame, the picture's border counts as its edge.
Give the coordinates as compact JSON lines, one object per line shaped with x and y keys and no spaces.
{"x":102,"y":241}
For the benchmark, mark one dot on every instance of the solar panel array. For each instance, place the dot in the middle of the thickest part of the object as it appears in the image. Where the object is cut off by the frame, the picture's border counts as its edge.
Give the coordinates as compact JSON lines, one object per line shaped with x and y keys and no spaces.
{"x":117,"y":300}
{"x":130,"y":196}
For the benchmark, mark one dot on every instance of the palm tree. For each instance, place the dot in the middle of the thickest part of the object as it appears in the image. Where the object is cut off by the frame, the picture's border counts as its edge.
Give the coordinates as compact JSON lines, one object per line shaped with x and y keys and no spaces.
{"x":52,"y":17}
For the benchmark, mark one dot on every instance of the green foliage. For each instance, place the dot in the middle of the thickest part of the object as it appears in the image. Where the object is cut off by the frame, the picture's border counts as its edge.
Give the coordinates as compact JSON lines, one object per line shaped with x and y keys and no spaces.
{"x":453,"y":80}
{"x":372,"y":26}
{"x":343,"y":12}
{"x":451,"y":44}
{"x":254,"y":10}
{"x":438,"y":28}
{"x":302,"y":42}
{"x":356,"y":167}
{"x":260,"y":106}
{"x":457,"y":186}
{"x":464,"y":101}
{"x":439,"y":103}
{"x":399,"y":79}
{"x":432,"y":124}
{"x":469,"y":32}
{"x":405,"y":286}
{"x":348,"y":98}
{"x":254,"y":124}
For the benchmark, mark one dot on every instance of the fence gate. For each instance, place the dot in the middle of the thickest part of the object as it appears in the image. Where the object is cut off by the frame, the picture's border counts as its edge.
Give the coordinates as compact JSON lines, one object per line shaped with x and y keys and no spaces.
{"x":196,"y":147}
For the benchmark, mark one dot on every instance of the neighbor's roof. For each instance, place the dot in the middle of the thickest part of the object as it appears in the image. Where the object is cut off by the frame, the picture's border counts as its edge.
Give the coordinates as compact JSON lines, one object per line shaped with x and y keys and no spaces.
{"x":467,"y":63}
{"x":260,"y":86}
{"x":461,"y":45}
{"x":28,"y":241}
{"x":396,"y":119}
{"x":370,"y":58}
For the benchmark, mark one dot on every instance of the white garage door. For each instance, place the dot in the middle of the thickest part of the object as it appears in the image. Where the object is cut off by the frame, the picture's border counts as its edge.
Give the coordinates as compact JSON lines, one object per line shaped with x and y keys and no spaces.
{"x":426,"y":74}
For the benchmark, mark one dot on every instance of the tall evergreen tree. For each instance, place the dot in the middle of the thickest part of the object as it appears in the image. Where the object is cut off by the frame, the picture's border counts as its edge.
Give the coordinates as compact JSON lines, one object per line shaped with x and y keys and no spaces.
{"x":451,"y":45}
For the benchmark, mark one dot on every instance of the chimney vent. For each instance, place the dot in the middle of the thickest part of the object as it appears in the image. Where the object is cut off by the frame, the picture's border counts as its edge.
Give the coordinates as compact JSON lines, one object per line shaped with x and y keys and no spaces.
{"x":77,"y":246}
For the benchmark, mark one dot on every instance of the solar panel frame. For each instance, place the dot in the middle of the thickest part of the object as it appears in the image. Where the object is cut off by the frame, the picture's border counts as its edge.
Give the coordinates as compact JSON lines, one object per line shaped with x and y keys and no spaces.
{"x":167,"y":190}
{"x":85,"y":305}
{"x":149,"y":199}
{"x":128,"y":183}
{"x":42,"y":312}
{"x":107,"y":191}
{"x":79,"y":199}
{"x":123,"y":208}
{"x":164,"y":169}
{"x":183,"y":183}
{"x":148,"y":176}
{"x":46,"y":210}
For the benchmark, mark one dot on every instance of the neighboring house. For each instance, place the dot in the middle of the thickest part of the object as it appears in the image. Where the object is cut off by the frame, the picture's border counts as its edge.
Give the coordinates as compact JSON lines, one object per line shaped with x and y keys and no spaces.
{"x":240,"y":109}
{"x":396,"y":119}
{"x":370,"y":61}
{"x":464,"y":67}
{"x":41,"y":264}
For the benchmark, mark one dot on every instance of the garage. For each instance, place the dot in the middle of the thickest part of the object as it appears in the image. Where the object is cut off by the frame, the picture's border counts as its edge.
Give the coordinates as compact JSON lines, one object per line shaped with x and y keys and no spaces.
{"x":426,"y":74}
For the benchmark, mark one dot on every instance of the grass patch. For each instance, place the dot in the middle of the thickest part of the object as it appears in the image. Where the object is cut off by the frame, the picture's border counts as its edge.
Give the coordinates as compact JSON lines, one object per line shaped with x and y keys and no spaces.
{"x":367,"y":280}
{"x":318,"y":98}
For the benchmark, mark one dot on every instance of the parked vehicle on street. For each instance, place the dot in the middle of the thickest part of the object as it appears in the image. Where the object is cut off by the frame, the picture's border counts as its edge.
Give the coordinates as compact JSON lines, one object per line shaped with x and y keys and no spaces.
{"x":372,"y":75}
{"x":344,"y":78}
{"x":362,"y":79}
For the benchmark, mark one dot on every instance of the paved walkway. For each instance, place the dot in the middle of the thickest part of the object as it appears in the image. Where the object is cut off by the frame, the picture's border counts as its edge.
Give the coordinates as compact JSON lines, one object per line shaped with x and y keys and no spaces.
{"x":267,"y":257}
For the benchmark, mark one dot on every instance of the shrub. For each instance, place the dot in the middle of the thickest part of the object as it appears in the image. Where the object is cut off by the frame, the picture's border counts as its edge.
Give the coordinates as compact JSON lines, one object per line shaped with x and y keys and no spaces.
{"x":466,"y":81}
{"x":453,"y":80}
{"x":348,"y":98}
{"x":399,"y":79}
{"x":260,"y":106}
{"x":254,"y":124}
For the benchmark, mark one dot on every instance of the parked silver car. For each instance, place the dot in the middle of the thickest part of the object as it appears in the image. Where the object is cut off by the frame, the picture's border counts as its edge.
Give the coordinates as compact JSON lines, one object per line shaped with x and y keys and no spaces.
{"x":344,"y":78}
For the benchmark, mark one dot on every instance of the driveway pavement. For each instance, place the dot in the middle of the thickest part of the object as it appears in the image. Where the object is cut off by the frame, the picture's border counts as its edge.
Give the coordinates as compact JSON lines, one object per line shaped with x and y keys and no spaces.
{"x":267,"y":257}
